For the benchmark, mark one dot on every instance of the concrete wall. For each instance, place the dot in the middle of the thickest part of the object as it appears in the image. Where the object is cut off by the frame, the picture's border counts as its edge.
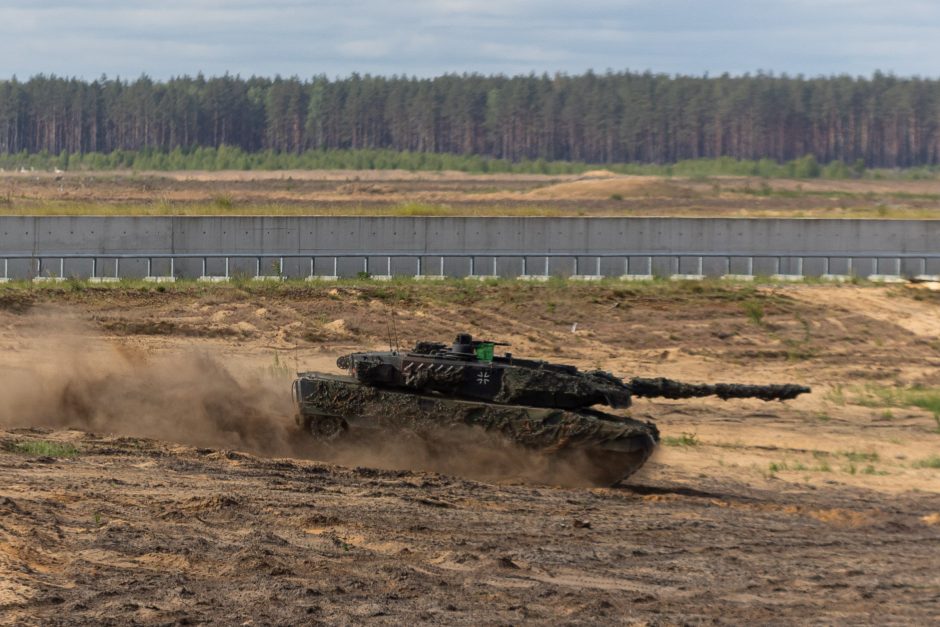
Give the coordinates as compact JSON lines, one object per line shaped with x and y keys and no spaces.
{"x":329,"y":235}
{"x":326,"y":235}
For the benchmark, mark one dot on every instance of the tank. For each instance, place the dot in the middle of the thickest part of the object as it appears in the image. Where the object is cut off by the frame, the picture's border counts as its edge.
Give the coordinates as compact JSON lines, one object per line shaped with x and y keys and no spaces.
{"x":547,"y":407}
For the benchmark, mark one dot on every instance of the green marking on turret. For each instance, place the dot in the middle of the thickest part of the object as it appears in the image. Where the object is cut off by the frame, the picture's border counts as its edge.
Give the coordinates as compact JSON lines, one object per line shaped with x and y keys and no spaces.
{"x":484,"y":351}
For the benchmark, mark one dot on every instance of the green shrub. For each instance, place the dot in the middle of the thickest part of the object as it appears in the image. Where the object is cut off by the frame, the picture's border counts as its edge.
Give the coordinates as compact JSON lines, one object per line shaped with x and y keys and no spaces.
{"x":44,"y":448}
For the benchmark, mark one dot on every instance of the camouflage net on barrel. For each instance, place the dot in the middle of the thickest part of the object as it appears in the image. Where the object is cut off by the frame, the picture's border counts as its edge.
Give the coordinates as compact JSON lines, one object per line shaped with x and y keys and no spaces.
{"x":670,"y":388}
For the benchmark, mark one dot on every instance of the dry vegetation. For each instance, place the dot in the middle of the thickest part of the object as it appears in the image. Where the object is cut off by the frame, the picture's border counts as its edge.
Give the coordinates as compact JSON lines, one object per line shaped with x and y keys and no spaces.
{"x":392,"y":192}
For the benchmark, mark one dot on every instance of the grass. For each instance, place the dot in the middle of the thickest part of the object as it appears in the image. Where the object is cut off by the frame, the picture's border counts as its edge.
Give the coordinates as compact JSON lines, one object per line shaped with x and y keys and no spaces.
{"x":223,"y":202}
{"x":609,"y":287}
{"x":852,"y":467}
{"x":43,"y":448}
{"x":612,"y":205}
{"x":798,"y":351}
{"x":837,"y":395}
{"x":686,"y":439}
{"x":768,"y":191}
{"x":754,"y":310}
{"x":783,"y":466}
{"x":854,"y":456}
{"x":776,"y":467}
{"x":925,"y":399}
{"x":856,"y":462}
{"x":227,"y":206}
{"x":880,"y":396}
{"x":57,"y":208}
{"x":931,"y":462}
{"x":279,"y":368}
{"x":70,"y":208}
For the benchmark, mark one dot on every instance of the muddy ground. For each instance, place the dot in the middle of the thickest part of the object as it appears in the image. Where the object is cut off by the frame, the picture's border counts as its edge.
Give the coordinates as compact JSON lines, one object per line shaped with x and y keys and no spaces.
{"x":150,"y":471}
{"x":396,"y":192}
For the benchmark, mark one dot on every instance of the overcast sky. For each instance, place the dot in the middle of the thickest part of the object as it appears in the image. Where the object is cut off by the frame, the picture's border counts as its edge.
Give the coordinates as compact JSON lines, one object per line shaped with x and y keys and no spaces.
{"x":431,"y":37}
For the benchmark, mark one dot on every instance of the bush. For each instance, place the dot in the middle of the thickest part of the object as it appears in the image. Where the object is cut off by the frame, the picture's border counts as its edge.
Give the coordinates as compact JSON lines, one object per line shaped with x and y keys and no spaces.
{"x":233,"y":158}
{"x":805,"y":167}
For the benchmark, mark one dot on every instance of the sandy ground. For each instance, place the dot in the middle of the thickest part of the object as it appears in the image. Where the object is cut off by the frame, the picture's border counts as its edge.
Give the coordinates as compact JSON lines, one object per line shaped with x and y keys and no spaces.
{"x":304,"y":192}
{"x":192,"y":499}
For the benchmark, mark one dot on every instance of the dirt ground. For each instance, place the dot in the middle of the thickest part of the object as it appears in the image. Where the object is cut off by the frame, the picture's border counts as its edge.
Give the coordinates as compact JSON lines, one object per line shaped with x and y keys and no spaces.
{"x":150,"y":471}
{"x":346,"y":192}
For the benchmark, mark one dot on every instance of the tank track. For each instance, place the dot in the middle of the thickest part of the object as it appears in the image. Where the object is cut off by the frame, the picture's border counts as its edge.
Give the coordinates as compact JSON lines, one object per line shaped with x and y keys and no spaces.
{"x":606,"y":449}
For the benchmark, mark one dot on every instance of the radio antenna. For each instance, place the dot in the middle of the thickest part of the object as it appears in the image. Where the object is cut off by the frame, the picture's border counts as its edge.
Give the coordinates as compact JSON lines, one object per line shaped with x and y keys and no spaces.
{"x":395,"y":327}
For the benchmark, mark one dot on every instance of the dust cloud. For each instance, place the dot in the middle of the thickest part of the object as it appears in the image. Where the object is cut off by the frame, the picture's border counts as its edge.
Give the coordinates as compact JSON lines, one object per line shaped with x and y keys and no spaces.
{"x":63,"y":374}
{"x":72,"y":379}
{"x":461,"y":451}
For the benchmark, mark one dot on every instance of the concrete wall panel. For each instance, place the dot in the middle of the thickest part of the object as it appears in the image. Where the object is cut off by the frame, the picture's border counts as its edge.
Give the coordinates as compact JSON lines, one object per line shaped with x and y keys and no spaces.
{"x":376,"y":235}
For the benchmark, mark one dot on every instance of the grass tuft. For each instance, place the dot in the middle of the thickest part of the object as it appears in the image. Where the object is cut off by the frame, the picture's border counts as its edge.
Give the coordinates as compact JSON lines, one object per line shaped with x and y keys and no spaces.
{"x":44,"y":448}
{"x":686,"y":439}
{"x":931,"y":462}
{"x":880,"y":396}
{"x":754,"y":310}
{"x":854,"y":456}
{"x":279,"y":369}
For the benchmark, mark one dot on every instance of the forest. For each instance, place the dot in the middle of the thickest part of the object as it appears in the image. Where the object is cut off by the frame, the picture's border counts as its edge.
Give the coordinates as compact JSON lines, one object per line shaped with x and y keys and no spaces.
{"x":882,"y":121}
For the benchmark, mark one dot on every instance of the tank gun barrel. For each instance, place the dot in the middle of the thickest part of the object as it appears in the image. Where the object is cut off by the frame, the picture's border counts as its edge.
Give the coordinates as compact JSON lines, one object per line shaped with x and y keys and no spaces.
{"x":670,"y":388}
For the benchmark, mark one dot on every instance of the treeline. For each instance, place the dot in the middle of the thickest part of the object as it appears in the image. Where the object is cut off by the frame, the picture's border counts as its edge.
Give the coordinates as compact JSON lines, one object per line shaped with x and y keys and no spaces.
{"x":881,"y":121}
{"x":230,"y":158}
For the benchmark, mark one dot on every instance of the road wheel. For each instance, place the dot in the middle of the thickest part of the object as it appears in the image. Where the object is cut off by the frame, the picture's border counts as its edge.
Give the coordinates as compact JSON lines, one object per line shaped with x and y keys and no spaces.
{"x":327,"y":428}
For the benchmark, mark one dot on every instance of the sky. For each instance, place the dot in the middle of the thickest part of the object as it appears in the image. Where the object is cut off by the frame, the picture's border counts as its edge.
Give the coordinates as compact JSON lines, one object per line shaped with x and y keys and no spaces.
{"x":305,"y":38}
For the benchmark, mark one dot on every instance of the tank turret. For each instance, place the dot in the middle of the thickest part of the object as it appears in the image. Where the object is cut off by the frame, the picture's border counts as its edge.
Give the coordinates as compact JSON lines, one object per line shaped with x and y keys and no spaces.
{"x":470,"y":369}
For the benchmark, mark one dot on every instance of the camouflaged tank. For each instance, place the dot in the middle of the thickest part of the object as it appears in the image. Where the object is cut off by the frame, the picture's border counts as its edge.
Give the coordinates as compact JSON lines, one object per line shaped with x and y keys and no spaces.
{"x":535,"y":404}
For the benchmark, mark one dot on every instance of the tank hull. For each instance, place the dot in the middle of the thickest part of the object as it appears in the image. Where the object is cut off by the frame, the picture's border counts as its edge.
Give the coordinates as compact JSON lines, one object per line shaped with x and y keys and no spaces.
{"x":605,"y":448}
